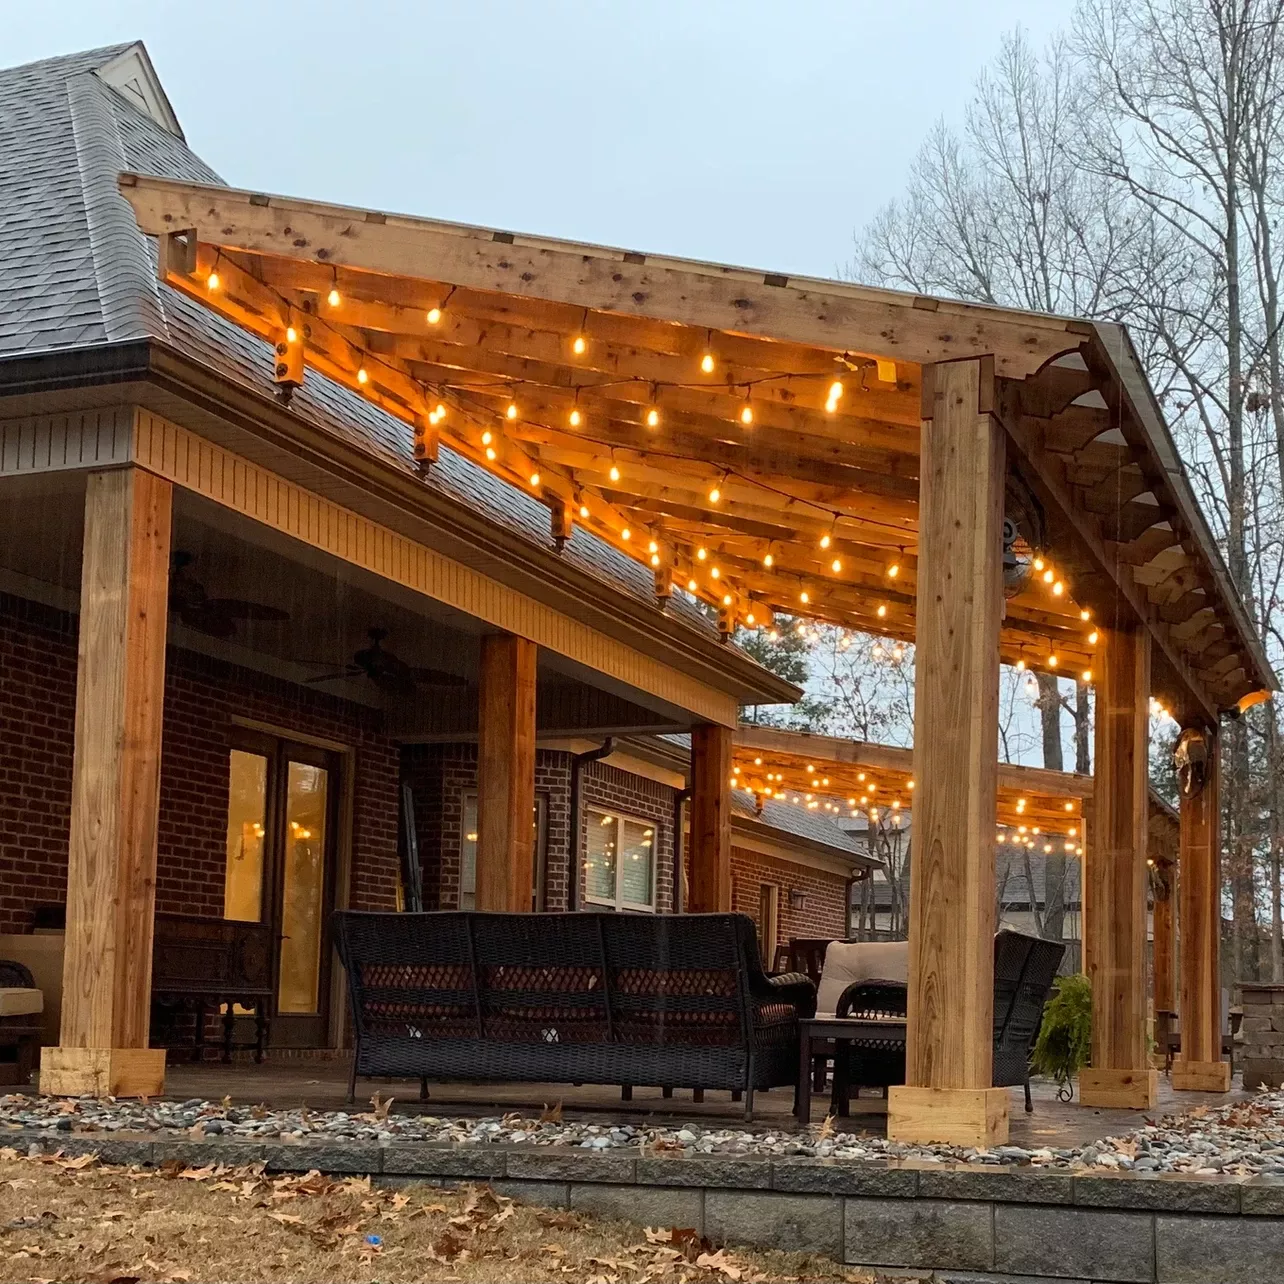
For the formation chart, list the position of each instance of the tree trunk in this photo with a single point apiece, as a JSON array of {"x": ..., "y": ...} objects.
[{"x": 1052, "y": 922}]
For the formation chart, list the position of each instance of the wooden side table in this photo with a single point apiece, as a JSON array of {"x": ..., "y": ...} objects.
[{"x": 818, "y": 1035}]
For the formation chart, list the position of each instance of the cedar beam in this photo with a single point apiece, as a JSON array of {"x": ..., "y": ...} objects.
[
  {"x": 949, "y": 1095},
  {"x": 1200, "y": 1067},
  {"x": 506, "y": 773},
  {"x": 1114, "y": 886},
  {"x": 111, "y": 866},
  {"x": 710, "y": 811}
]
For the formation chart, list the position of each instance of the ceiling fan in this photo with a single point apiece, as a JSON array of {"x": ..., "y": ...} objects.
[
  {"x": 389, "y": 672},
  {"x": 217, "y": 616}
]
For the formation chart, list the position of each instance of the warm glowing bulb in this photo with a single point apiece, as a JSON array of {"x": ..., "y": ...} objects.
[
  {"x": 1085, "y": 615},
  {"x": 1020, "y": 666},
  {"x": 1092, "y": 637},
  {"x": 691, "y": 586},
  {"x": 836, "y": 565},
  {"x": 1087, "y": 675},
  {"x": 534, "y": 479},
  {"x": 1058, "y": 588},
  {"x": 882, "y": 612},
  {"x": 714, "y": 495},
  {"x": 701, "y": 554},
  {"x": 1069, "y": 806},
  {"x": 362, "y": 377},
  {"x": 726, "y": 599},
  {"x": 291, "y": 335},
  {"x": 749, "y": 618},
  {"x": 441, "y": 411},
  {"x": 434, "y": 315},
  {"x": 746, "y": 413},
  {"x": 1052, "y": 662},
  {"x": 511, "y": 412},
  {"x": 1038, "y": 563},
  {"x": 804, "y": 597},
  {"x": 652, "y": 417},
  {"x": 615, "y": 473},
  {"x": 579, "y": 345},
  {"x": 655, "y": 559},
  {"x": 824, "y": 541},
  {"x": 625, "y": 533},
  {"x": 584, "y": 512},
  {"x": 576, "y": 419},
  {"x": 715, "y": 572},
  {"x": 490, "y": 453},
  {"x": 213, "y": 281},
  {"x": 1048, "y": 576},
  {"x": 333, "y": 298},
  {"x": 894, "y": 570},
  {"x": 653, "y": 547},
  {"x": 487, "y": 436},
  {"x": 706, "y": 363},
  {"x": 768, "y": 561}
]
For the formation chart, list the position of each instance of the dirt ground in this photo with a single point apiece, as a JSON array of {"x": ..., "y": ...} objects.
[{"x": 76, "y": 1220}]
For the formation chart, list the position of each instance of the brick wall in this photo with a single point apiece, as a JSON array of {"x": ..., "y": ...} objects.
[
  {"x": 441, "y": 775},
  {"x": 37, "y": 719},
  {"x": 822, "y": 913}
]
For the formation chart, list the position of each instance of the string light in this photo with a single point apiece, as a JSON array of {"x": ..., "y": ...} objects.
[
  {"x": 835, "y": 394},
  {"x": 579, "y": 345},
  {"x": 1020, "y": 666},
  {"x": 490, "y": 453},
  {"x": 1052, "y": 662},
  {"x": 893, "y": 570},
  {"x": 692, "y": 586},
  {"x": 1092, "y": 637},
  {"x": 212, "y": 282},
  {"x": 1058, "y": 588},
  {"x": 715, "y": 573},
  {"x": 715, "y": 493},
  {"x": 882, "y": 612},
  {"x": 614, "y": 473},
  {"x": 1038, "y": 563},
  {"x": 291, "y": 335},
  {"x": 362, "y": 376},
  {"x": 1087, "y": 675},
  {"x": 1085, "y": 615},
  {"x": 511, "y": 412},
  {"x": 575, "y": 418},
  {"x": 836, "y": 565},
  {"x": 652, "y": 418},
  {"x": 534, "y": 479},
  {"x": 333, "y": 298},
  {"x": 584, "y": 511},
  {"x": 626, "y": 534},
  {"x": 1048, "y": 576},
  {"x": 768, "y": 561},
  {"x": 825, "y": 540},
  {"x": 701, "y": 554},
  {"x": 487, "y": 437},
  {"x": 804, "y": 597},
  {"x": 434, "y": 315},
  {"x": 746, "y": 413}
]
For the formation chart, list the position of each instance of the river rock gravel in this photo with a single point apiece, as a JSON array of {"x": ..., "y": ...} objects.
[{"x": 1241, "y": 1138}]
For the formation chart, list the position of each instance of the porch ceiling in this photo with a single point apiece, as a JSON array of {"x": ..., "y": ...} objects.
[{"x": 752, "y": 438}]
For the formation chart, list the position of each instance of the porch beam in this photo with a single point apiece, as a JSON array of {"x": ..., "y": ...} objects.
[
  {"x": 1199, "y": 1067},
  {"x": 1114, "y": 884},
  {"x": 710, "y": 811},
  {"x": 506, "y": 773},
  {"x": 948, "y": 1095},
  {"x": 111, "y": 867}
]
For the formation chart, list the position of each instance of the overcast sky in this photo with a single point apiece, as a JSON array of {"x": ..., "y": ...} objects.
[{"x": 733, "y": 130}]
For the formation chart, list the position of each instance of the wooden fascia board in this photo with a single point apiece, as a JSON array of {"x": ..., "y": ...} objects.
[
  {"x": 752, "y": 834},
  {"x": 1116, "y": 345},
  {"x": 828, "y": 314}
]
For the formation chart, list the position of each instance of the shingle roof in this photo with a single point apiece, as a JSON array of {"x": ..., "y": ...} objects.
[
  {"x": 75, "y": 270},
  {"x": 798, "y": 822}
]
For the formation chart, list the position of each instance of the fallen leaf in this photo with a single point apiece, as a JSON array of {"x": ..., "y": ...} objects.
[
  {"x": 826, "y": 1129},
  {"x": 551, "y": 1114},
  {"x": 381, "y": 1106},
  {"x": 197, "y": 1174},
  {"x": 72, "y": 1165},
  {"x": 286, "y": 1219}
]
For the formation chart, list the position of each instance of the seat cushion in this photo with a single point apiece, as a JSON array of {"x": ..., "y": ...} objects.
[
  {"x": 21, "y": 1002},
  {"x": 847, "y": 962}
]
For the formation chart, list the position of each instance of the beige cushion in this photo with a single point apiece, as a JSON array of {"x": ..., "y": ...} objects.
[
  {"x": 20, "y": 1002},
  {"x": 848, "y": 962}
]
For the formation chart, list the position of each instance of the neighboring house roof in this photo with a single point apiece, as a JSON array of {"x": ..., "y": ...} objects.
[
  {"x": 798, "y": 827},
  {"x": 75, "y": 271}
]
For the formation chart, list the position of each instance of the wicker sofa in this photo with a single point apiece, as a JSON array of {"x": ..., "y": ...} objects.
[{"x": 660, "y": 1000}]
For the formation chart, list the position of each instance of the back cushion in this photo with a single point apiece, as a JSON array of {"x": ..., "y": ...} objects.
[{"x": 847, "y": 963}]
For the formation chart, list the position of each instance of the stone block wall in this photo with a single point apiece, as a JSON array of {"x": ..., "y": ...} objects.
[{"x": 1263, "y": 1031}]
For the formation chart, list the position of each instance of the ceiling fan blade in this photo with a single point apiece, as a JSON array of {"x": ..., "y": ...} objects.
[
  {"x": 239, "y": 609},
  {"x": 438, "y": 678},
  {"x": 350, "y": 672}
]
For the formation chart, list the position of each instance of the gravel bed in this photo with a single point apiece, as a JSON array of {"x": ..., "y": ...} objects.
[{"x": 1244, "y": 1138}]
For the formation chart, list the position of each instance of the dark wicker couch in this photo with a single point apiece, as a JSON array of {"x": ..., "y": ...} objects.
[
  {"x": 665, "y": 1000},
  {"x": 1024, "y": 969}
]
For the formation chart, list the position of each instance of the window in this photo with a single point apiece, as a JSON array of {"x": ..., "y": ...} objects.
[
  {"x": 468, "y": 853},
  {"x": 619, "y": 861}
]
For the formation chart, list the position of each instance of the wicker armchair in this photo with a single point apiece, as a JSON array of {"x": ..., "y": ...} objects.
[
  {"x": 1024, "y": 969},
  {"x": 668, "y": 1001}
]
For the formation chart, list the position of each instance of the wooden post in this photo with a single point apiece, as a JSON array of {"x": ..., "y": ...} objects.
[
  {"x": 115, "y": 794},
  {"x": 506, "y": 774},
  {"x": 1114, "y": 879},
  {"x": 948, "y": 1095},
  {"x": 1199, "y": 1067},
  {"x": 1163, "y": 936},
  {"x": 710, "y": 819}
]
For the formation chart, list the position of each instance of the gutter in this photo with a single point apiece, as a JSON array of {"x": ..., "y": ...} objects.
[{"x": 578, "y": 762}]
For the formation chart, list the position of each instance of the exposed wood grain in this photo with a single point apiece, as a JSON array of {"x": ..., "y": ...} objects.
[
  {"x": 506, "y": 773},
  {"x": 710, "y": 813},
  {"x": 956, "y": 733},
  {"x": 1199, "y": 873},
  {"x": 1114, "y": 879},
  {"x": 111, "y": 872}
]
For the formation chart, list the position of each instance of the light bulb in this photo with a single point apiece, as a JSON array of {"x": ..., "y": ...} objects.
[
  {"x": 1052, "y": 662},
  {"x": 579, "y": 345},
  {"x": 1092, "y": 637},
  {"x": 715, "y": 573},
  {"x": 441, "y": 411},
  {"x": 333, "y": 298},
  {"x": 1038, "y": 563},
  {"x": 768, "y": 561},
  {"x": 511, "y": 412},
  {"x": 1058, "y": 588},
  {"x": 576, "y": 419},
  {"x": 1069, "y": 806},
  {"x": 836, "y": 565},
  {"x": 584, "y": 512},
  {"x": 1048, "y": 577},
  {"x": 894, "y": 570},
  {"x": 746, "y": 413},
  {"x": 1020, "y": 666},
  {"x": 213, "y": 281},
  {"x": 824, "y": 541},
  {"x": 652, "y": 417},
  {"x": 434, "y": 315},
  {"x": 1085, "y": 615},
  {"x": 615, "y": 473},
  {"x": 487, "y": 436},
  {"x": 362, "y": 377},
  {"x": 715, "y": 494},
  {"x": 804, "y": 597},
  {"x": 882, "y": 612},
  {"x": 291, "y": 335},
  {"x": 653, "y": 547},
  {"x": 490, "y": 453},
  {"x": 706, "y": 363},
  {"x": 1087, "y": 675},
  {"x": 726, "y": 600},
  {"x": 625, "y": 533},
  {"x": 701, "y": 554},
  {"x": 691, "y": 586},
  {"x": 655, "y": 559},
  {"x": 534, "y": 479}
]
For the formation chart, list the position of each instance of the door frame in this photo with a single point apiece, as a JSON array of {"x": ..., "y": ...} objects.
[{"x": 341, "y": 808}]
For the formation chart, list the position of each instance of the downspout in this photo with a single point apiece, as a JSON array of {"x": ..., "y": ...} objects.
[
  {"x": 679, "y": 800},
  {"x": 578, "y": 760}
]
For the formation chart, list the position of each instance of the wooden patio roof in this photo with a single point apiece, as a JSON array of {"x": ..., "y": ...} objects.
[{"x": 752, "y": 437}]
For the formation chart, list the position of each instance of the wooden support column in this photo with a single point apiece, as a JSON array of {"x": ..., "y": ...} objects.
[
  {"x": 1114, "y": 877},
  {"x": 115, "y": 794},
  {"x": 948, "y": 1095},
  {"x": 1199, "y": 1067},
  {"x": 506, "y": 774},
  {"x": 1163, "y": 937},
  {"x": 710, "y": 809}
]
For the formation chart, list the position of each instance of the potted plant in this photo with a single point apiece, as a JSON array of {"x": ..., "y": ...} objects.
[{"x": 1064, "y": 1045}]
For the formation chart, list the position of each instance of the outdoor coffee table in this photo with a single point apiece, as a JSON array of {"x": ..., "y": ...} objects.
[{"x": 819, "y": 1035}]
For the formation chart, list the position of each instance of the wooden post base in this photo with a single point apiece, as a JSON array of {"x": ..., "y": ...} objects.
[
  {"x": 102, "y": 1072},
  {"x": 948, "y": 1116},
  {"x": 1201, "y": 1076},
  {"x": 1119, "y": 1089}
]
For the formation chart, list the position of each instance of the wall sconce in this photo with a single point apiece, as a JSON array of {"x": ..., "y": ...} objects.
[{"x": 797, "y": 899}]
